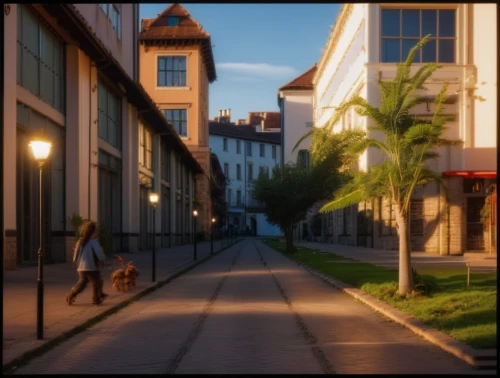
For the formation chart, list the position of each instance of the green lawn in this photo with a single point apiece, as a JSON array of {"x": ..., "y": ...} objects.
[{"x": 444, "y": 301}]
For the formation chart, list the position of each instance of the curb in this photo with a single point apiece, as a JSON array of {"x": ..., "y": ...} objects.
[
  {"x": 438, "y": 338},
  {"x": 31, "y": 354}
]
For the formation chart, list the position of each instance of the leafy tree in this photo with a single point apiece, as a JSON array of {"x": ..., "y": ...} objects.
[{"x": 408, "y": 145}]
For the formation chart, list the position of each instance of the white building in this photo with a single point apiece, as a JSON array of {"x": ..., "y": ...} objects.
[
  {"x": 72, "y": 70},
  {"x": 364, "y": 45},
  {"x": 243, "y": 152}
]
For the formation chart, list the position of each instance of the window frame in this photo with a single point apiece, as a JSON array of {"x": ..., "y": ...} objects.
[
  {"x": 250, "y": 172},
  {"x": 178, "y": 122},
  {"x": 226, "y": 170},
  {"x": 184, "y": 78},
  {"x": 238, "y": 147},
  {"x": 224, "y": 144},
  {"x": 262, "y": 148},
  {"x": 273, "y": 152},
  {"x": 437, "y": 38},
  {"x": 238, "y": 172},
  {"x": 249, "y": 148}
]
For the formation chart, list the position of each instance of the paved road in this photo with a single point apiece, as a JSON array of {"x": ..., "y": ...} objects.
[{"x": 247, "y": 310}]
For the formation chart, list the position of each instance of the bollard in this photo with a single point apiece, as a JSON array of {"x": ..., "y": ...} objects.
[{"x": 468, "y": 274}]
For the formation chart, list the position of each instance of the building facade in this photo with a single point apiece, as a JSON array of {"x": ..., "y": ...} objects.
[
  {"x": 176, "y": 65},
  {"x": 72, "y": 70},
  {"x": 244, "y": 152},
  {"x": 365, "y": 44}
]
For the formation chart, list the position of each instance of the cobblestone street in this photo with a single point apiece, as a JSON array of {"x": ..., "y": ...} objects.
[{"x": 247, "y": 310}]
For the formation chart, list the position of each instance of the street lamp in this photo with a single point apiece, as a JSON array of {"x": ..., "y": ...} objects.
[
  {"x": 195, "y": 214},
  {"x": 153, "y": 199},
  {"x": 40, "y": 145},
  {"x": 212, "y": 238}
]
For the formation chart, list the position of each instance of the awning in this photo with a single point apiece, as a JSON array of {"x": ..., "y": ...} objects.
[{"x": 471, "y": 174}]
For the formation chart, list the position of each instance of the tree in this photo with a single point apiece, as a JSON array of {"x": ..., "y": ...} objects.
[
  {"x": 408, "y": 145},
  {"x": 294, "y": 189}
]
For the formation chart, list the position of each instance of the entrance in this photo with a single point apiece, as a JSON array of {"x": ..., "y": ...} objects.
[{"x": 475, "y": 228}]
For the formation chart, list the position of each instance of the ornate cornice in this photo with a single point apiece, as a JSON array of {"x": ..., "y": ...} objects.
[{"x": 344, "y": 14}]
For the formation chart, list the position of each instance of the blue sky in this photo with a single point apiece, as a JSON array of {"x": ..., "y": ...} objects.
[{"x": 258, "y": 48}]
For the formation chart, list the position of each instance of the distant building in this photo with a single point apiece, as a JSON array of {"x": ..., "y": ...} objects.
[
  {"x": 243, "y": 153},
  {"x": 176, "y": 66}
]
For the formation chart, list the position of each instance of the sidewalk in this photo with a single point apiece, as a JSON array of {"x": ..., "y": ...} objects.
[{"x": 20, "y": 293}]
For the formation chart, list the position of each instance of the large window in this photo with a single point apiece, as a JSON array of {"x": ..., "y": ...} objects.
[
  {"x": 249, "y": 148},
  {"x": 238, "y": 172},
  {"x": 172, "y": 71},
  {"x": 178, "y": 119},
  {"x": 238, "y": 147},
  {"x": 401, "y": 29},
  {"x": 224, "y": 144},
  {"x": 303, "y": 158},
  {"x": 40, "y": 60},
  {"x": 110, "y": 120},
  {"x": 113, "y": 13},
  {"x": 145, "y": 147},
  {"x": 250, "y": 171},
  {"x": 226, "y": 170},
  {"x": 262, "y": 150},
  {"x": 273, "y": 152}
]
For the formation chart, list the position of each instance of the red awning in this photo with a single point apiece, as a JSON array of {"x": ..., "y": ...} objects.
[{"x": 471, "y": 174}]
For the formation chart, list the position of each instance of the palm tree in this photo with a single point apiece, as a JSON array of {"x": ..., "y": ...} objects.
[{"x": 409, "y": 143}]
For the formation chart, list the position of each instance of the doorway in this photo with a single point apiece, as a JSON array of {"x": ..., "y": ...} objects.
[{"x": 475, "y": 227}]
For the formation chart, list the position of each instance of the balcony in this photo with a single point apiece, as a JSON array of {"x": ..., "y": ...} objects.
[{"x": 252, "y": 205}]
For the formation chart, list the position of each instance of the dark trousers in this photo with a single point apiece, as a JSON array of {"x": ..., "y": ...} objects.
[{"x": 92, "y": 276}]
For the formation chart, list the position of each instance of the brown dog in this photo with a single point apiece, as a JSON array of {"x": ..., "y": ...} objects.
[{"x": 124, "y": 279}]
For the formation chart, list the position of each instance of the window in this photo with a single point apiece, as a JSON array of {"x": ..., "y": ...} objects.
[
  {"x": 115, "y": 18},
  {"x": 262, "y": 171},
  {"x": 303, "y": 158},
  {"x": 226, "y": 170},
  {"x": 165, "y": 161},
  {"x": 229, "y": 196},
  {"x": 110, "y": 122},
  {"x": 238, "y": 198},
  {"x": 238, "y": 147},
  {"x": 273, "y": 152},
  {"x": 238, "y": 172},
  {"x": 171, "y": 71},
  {"x": 346, "y": 214},
  {"x": 262, "y": 150},
  {"x": 145, "y": 147},
  {"x": 417, "y": 217},
  {"x": 104, "y": 8},
  {"x": 250, "y": 172},
  {"x": 309, "y": 124},
  {"x": 401, "y": 29},
  {"x": 40, "y": 60},
  {"x": 387, "y": 217},
  {"x": 172, "y": 21},
  {"x": 224, "y": 144},
  {"x": 249, "y": 149},
  {"x": 178, "y": 119}
]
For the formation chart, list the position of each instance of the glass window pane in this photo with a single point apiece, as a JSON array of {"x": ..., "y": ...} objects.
[
  {"x": 161, "y": 64},
  {"x": 169, "y": 62},
  {"x": 161, "y": 79},
  {"x": 446, "y": 51},
  {"x": 169, "y": 79},
  {"x": 391, "y": 23},
  {"x": 175, "y": 82},
  {"x": 411, "y": 23},
  {"x": 183, "y": 79},
  {"x": 447, "y": 23},
  {"x": 391, "y": 50},
  {"x": 182, "y": 64},
  {"x": 429, "y": 51},
  {"x": 408, "y": 44},
  {"x": 429, "y": 22}
]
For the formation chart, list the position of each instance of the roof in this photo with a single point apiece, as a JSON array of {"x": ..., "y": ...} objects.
[
  {"x": 303, "y": 81},
  {"x": 157, "y": 31},
  {"x": 246, "y": 132},
  {"x": 69, "y": 18}
]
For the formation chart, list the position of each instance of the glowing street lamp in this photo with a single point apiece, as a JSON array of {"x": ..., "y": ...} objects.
[
  {"x": 212, "y": 237},
  {"x": 153, "y": 199},
  {"x": 195, "y": 215},
  {"x": 40, "y": 146}
]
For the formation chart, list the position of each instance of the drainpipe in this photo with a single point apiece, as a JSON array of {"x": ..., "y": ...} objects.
[{"x": 2, "y": 96}]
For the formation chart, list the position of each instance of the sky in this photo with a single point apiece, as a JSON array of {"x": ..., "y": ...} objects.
[{"x": 257, "y": 48}]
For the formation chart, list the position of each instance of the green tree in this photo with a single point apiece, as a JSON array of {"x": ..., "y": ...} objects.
[{"x": 409, "y": 142}]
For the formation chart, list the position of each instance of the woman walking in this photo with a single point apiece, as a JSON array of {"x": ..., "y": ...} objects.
[{"x": 88, "y": 254}]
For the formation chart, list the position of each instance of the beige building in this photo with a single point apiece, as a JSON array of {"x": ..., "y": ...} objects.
[
  {"x": 72, "y": 70},
  {"x": 364, "y": 46},
  {"x": 176, "y": 65}
]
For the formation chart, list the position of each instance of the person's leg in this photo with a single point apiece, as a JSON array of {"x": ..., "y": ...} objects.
[
  {"x": 96, "y": 286},
  {"x": 78, "y": 287},
  {"x": 102, "y": 294}
]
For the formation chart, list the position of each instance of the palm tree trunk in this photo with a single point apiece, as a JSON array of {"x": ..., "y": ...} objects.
[{"x": 405, "y": 271}]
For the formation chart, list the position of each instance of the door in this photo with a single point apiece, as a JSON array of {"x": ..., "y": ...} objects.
[{"x": 475, "y": 228}]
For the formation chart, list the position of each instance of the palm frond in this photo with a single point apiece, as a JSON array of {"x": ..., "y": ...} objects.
[
  {"x": 303, "y": 137},
  {"x": 344, "y": 201}
]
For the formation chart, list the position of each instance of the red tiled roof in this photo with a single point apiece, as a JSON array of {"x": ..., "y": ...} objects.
[
  {"x": 304, "y": 81},
  {"x": 156, "y": 30}
]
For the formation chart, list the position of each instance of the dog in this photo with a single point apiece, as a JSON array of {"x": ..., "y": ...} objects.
[{"x": 124, "y": 279}]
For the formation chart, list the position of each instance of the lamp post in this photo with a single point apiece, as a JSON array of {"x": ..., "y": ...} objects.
[
  {"x": 195, "y": 214},
  {"x": 212, "y": 237},
  {"x": 41, "y": 151},
  {"x": 153, "y": 199}
]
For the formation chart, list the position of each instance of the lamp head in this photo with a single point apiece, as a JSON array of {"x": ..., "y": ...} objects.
[
  {"x": 195, "y": 213},
  {"x": 40, "y": 145},
  {"x": 213, "y": 220},
  {"x": 153, "y": 198}
]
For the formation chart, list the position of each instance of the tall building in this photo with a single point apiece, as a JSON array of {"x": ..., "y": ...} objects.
[
  {"x": 71, "y": 70},
  {"x": 364, "y": 46},
  {"x": 244, "y": 151},
  {"x": 176, "y": 65}
]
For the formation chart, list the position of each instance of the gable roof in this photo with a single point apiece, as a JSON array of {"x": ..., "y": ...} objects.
[
  {"x": 157, "y": 31},
  {"x": 303, "y": 81}
]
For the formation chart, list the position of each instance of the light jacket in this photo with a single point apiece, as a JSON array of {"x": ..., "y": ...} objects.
[{"x": 84, "y": 255}]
